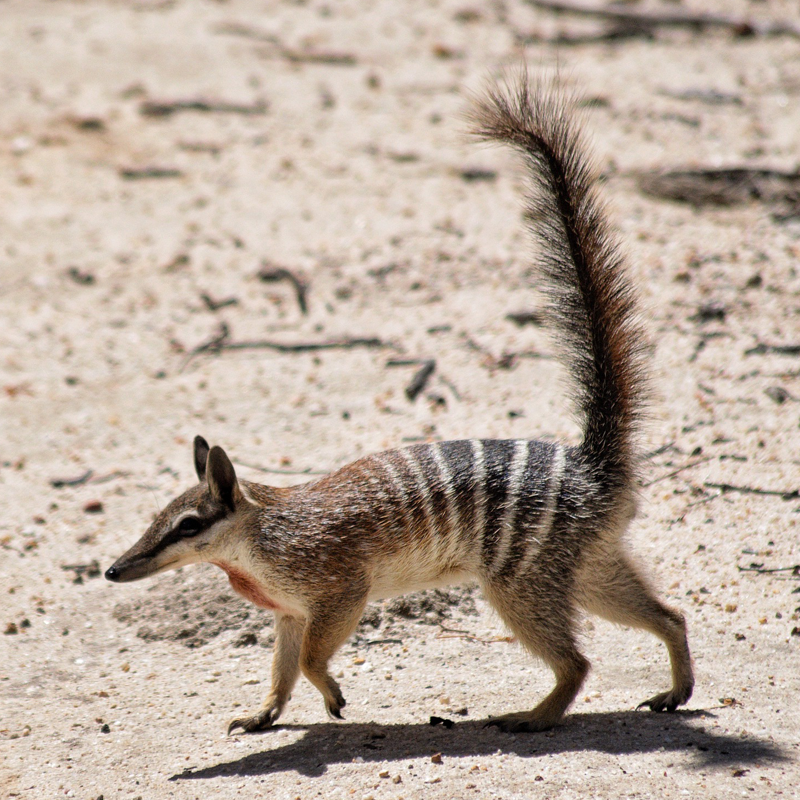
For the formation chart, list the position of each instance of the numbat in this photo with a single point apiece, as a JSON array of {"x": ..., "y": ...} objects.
[{"x": 539, "y": 526}]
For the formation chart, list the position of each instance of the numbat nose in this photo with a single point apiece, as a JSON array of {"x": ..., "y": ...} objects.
[{"x": 112, "y": 574}]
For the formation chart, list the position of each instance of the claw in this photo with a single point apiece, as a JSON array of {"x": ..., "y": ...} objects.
[
  {"x": 336, "y": 713},
  {"x": 236, "y": 723},
  {"x": 257, "y": 722},
  {"x": 666, "y": 701}
]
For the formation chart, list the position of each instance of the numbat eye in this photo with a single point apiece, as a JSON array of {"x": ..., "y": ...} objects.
[{"x": 189, "y": 526}]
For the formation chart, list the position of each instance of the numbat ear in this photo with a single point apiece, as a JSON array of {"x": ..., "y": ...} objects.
[
  {"x": 200, "y": 457},
  {"x": 221, "y": 477}
]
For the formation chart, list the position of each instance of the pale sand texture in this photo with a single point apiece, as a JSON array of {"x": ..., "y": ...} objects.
[{"x": 353, "y": 178}]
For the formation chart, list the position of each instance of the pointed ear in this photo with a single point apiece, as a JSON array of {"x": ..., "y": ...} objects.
[
  {"x": 200, "y": 457},
  {"x": 221, "y": 478}
]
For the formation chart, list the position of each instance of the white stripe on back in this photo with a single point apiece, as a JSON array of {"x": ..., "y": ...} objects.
[
  {"x": 422, "y": 486},
  {"x": 557, "y": 466},
  {"x": 479, "y": 482},
  {"x": 453, "y": 513},
  {"x": 398, "y": 485}
]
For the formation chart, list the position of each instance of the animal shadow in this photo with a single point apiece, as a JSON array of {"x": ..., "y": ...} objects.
[{"x": 614, "y": 733}]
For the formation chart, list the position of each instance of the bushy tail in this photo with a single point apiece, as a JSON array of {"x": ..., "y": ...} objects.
[{"x": 591, "y": 303}]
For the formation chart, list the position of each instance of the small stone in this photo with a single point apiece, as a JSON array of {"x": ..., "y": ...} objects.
[
  {"x": 105, "y": 728},
  {"x": 21, "y": 144},
  {"x": 91, "y": 124},
  {"x": 93, "y": 507},
  {"x": 11, "y": 628},
  {"x": 80, "y": 277},
  {"x": 709, "y": 312},
  {"x": 777, "y": 394},
  {"x": 436, "y": 758},
  {"x": 754, "y": 281},
  {"x": 384, "y": 774}
]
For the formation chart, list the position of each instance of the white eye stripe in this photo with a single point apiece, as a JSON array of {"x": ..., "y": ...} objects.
[{"x": 185, "y": 515}]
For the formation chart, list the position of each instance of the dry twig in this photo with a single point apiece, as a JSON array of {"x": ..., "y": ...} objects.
[
  {"x": 677, "y": 17},
  {"x": 728, "y": 487},
  {"x": 165, "y": 108},
  {"x": 271, "y": 273},
  {"x": 452, "y": 633},
  {"x": 677, "y": 471}
]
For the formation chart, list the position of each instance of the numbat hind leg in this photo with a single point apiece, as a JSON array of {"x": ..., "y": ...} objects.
[
  {"x": 611, "y": 587},
  {"x": 285, "y": 670},
  {"x": 547, "y": 635}
]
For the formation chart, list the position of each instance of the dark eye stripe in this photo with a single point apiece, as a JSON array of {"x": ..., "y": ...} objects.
[{"x": 176, "y": 535}]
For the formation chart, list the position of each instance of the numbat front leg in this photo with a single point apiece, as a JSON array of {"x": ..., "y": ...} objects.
[{"x": 285, "y": 671}]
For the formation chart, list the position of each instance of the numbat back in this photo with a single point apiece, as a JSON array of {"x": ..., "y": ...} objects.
[{"x": 537, "y": 525}]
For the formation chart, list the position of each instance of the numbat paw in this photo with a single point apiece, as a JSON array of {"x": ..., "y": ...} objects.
[
  {"x": 665, "y": 701},
  {"x": 334, "y": 709},
  {"x": 258, "y": 722},
  {"x": 520, "y": 723}
]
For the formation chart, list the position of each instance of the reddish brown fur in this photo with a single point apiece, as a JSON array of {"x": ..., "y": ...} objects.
[{"x": 244, "y": 585}]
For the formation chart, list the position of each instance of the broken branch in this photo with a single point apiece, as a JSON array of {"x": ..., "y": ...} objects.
[
  {"x": 306, "y": 471},
  {"x": 271, "y": 273},
  {"x": 140, "y": 173},
  {"x": 304, "y": 56},
  {"x": 728, "y": 487},
  {"x": 778, "y": 349},
  {"x": 740, "y": 26},
  {"x": 165, "y": 108},
  {"x": 677, "y": 471},
  {"x": 795, "y": 569},
  {"x": 306, "y": 347},
  {"x": 60, "y": 483},
  {"x": 452, "y": 633}
]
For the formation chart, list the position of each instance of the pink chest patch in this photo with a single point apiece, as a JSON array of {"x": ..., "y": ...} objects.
[{"x": 244, "y": 585}]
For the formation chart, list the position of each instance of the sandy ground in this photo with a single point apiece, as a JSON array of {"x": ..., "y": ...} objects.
[{"x": 325, "y": 137}]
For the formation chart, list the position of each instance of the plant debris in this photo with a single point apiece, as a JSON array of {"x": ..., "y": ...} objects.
[
  {"x": 166, "y": 108},
  {"x": 726, "y": 187},
  {"x": 272, "y": 273}
]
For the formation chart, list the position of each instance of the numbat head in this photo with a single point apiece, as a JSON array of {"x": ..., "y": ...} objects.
[{"x": 537, "y": 525}]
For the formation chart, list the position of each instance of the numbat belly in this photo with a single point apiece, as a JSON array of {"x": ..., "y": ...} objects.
[{"x": 537, "y": 525}]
